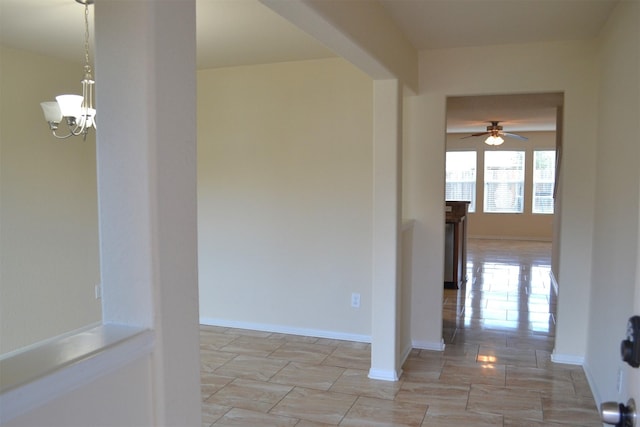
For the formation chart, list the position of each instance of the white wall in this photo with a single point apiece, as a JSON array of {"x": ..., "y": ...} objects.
[
  {"x": 423, "y": 202},
  {"x": 548, "y": 67},
  {"x": 615, "y": 256},
  {"x": 147, "y": 191},
  {"x": 48, "y": 212},
  {"x": 103, "y": 402},
  {"x": 406, "y": 285},
  {"x": 285, "y": 196},
  {"x": 525, "y": 225}
]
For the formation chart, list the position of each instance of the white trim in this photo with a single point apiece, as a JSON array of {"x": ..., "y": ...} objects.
[
  {"x": 383, "y": 375},
  {"x": 567, "y": 359},
  {"x": 405, "y": 354},
  {"x": 554, "y": 282},
  {"x": 40, "y": 344},
  {"x": 524, "y": 238},
  {"x": 120, "y": 346},
  {"x": 428, "y": 345},
  {"x": 281, "y": 329}
]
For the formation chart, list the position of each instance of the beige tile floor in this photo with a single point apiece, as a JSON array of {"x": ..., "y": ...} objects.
[{"x": 495, "y": 370}]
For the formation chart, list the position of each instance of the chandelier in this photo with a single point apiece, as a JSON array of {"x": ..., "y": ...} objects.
[{"x": 76, "y": 111}]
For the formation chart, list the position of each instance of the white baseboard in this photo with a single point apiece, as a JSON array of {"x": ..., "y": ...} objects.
[
  {"x": 405, "y": 354},
  {"x": 567, "y": 359},
  {"x": 523, "y": 238},
  {"x": 281, "y": 329},
  {"x": 429, "y": 345},
  {"x": 384, "y": 375}
]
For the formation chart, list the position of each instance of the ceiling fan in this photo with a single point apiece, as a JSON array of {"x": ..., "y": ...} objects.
[{"x": 495, "y": 134}]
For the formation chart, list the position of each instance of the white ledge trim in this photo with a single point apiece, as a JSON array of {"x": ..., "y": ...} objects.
[{"x": 42, "y": 373}]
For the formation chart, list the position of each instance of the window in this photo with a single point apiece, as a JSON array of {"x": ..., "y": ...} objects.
[
  {"x": 461, "y": 177},
  {"x": 544, "y": 170},
  {"x": 504, "y": 181}
]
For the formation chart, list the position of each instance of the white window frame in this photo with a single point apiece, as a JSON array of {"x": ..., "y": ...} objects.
[
  {"x": 472, "y": 182},
  {"x": 544, "y": 177},
  {"x": 512, "y": 187}
]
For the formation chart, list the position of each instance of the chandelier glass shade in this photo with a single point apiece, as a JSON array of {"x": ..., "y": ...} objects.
[
  {"x": 75, "y": 111},
  {"x": 494, "y": 140}
]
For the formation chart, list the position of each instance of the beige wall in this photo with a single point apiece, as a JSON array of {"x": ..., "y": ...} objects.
[
  {"x": 48, "y": 208},
  {"x": 285, "y": 197},
  {"x": 567, "y": 67},
  {"x": 120, "y": 398},
  {"x": 525, "y": 226},
  {"x": 615, "y": 281},
  {"x": 545, "y": 67},
  {"x": 599, "y": 222}
]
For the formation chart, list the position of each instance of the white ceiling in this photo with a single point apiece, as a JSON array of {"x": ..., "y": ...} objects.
[
  {"x": 245, "y": 32},
  {"x": 516, "y": 113}
]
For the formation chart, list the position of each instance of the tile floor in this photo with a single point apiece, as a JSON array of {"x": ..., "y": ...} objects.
[{"x": 495, "y": 370}]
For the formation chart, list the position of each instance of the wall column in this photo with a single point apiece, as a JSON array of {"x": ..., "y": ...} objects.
[
  {"x": 146, "y": 151},
  {"x": 387, "y": 197}
]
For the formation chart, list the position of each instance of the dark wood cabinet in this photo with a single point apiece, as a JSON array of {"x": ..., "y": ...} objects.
[{"x": 455, "y": 253}]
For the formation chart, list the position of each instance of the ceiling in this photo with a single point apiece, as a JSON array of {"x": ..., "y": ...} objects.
[
  {"x": 245, "y": 32},
  {"x": 516, "y": 113}
]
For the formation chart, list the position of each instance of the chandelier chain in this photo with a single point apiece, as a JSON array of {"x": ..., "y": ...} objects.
[{"x": 86, "y": 33}]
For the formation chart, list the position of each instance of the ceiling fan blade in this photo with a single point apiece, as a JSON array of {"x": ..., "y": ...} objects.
[
  {"x": 476, "y": 134},
  {"x": 513, "y": 135}
]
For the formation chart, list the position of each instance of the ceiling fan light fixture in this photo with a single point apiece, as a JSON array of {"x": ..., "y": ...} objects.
[
  {"x": 494, "y": 140},
  {"x": 495, "y": 134}
]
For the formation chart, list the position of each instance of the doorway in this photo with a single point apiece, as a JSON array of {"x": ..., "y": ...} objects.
[{"x": 510, "y": 185}]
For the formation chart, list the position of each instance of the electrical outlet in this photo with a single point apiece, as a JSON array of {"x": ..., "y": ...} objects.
[
  {"x": 355, "y": 300},
  {"x": 98, "y": 291}
]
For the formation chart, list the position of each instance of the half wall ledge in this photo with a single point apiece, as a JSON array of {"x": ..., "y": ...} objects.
[{"x": 39, "y": 373}]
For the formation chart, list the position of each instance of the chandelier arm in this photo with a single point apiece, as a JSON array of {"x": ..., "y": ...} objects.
[
  {"x": 79, "y": 129},
  {"x": 75, "y": 128},
  {"x": 71, "y": 133},
  {"x": 61, "y": 136}
]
